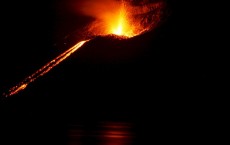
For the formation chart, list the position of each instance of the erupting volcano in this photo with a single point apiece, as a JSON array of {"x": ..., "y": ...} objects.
[
  {"x": 122, "y": 18},
  {"x": 120, "y": 24}
]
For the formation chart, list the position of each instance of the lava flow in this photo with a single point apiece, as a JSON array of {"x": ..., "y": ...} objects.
[
  {"x": 45, "y": 69},
  {"x": 122, "y": 19}
]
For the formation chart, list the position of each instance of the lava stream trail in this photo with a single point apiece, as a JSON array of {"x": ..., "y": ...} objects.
[{"x": 45, "y": 69}]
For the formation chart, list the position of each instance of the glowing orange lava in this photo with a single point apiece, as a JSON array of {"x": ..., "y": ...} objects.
[
  {"x": 16, "y": 89},
  {"x": 120, "y": 17},
  {"x": 120, "y": 25},
  {"x": 117, "y": 22},
  {"x": 45, "y": 69}
]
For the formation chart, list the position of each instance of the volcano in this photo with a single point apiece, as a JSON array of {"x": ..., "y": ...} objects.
[
  {"x": 110, "y": 66},
  {"x": 147, "y": 82}
]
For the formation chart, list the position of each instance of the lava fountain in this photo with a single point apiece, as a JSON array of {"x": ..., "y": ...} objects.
[
  {"x": 119, "y": 18},
  {"x": 121, "y": 26}
]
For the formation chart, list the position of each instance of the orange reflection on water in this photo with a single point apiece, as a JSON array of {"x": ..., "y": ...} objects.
[
  {"x": 106, "y": 133},
  {"x": 116, "y": 134}
]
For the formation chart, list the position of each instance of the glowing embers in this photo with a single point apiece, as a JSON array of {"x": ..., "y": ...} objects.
[
  {"x": 17, "y": 89},
  {"x": 121, "y": 25}
]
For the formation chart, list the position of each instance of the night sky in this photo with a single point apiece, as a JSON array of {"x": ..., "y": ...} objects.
[{"x": 158, "y": 81}]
